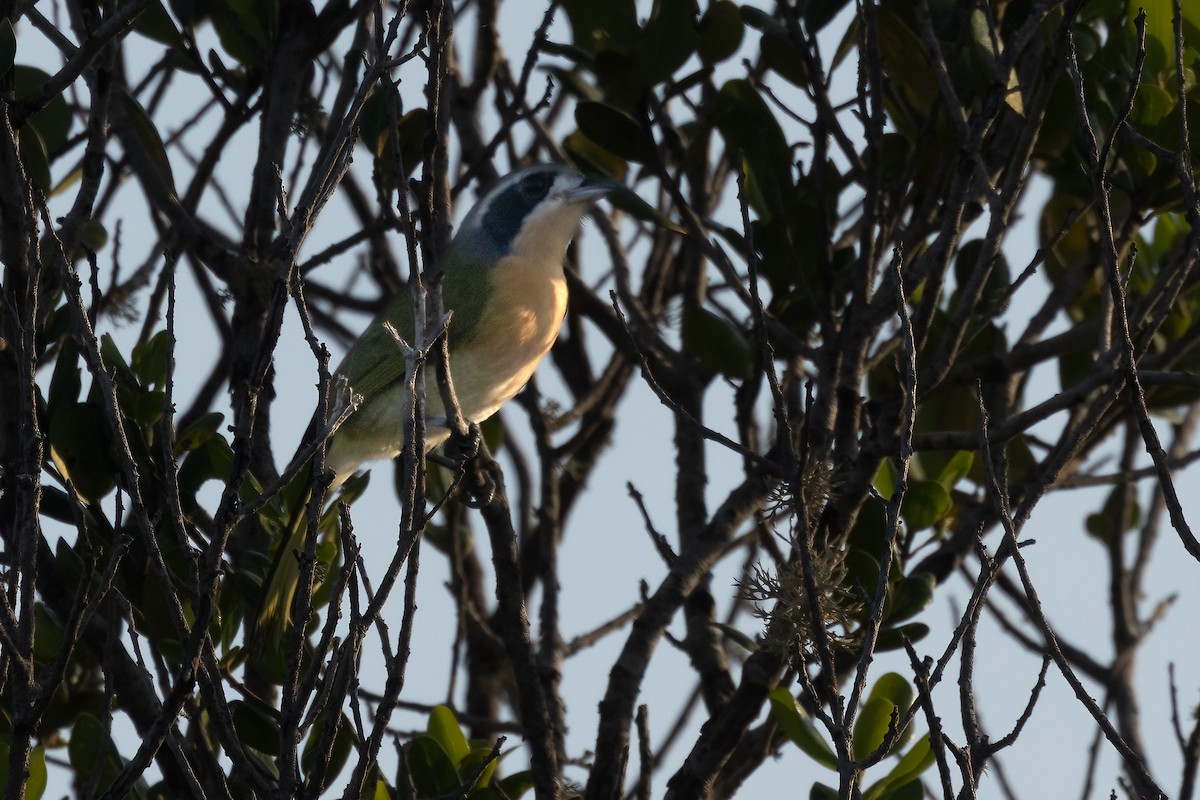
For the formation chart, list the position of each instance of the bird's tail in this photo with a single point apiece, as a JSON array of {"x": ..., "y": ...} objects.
[
  {"x": 269, "y": 631},
  {"x": 268, "y": 635}
]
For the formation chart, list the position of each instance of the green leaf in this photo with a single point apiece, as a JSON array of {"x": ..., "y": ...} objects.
[
  {"x": 431, "y": 770},
  {"x": 147, "y": 136},
  {"x": 92, "y": 754},
  {"x": 913, "y": 83},
  {"x": 738, "y": 637},
  {"x": 668, "y": 39},
  {"x": 410, "y": 133},
  {"x": 891, "y": 694},
  {"x": 35, "y": 784},
  {"x": 246, "y": 28},
  {"x": 869, "y": 534},
  {"x": 92, "y": 236},
  {"x": 751, "y": 130},
  {"x": 379, "y": 112},
  {"x": 516, "y": 784},
  {"x": 918, "y": 759},
  {"x": 615, "y": 131},
  {"x": 150, "y": 360},
  {"x": 52, "y": 121},
  {"x": 998, "y": 274},
  {"x": 468, "y": 766},
  {"x": 885, "y": 480},
  {"x": 602, "y": 26},
  {"x": 620, "y": 78},
  {"x": 190, "y": 12},
  {"x": 1160, "y": 32},
  {"x": 48, "y": 636},
  {"x": 69, "y": 565},
  {"x": 323, "y": 760},
  {"x": 35, "y": 156},
  {"x": 796, "y": 725},
  {"x": 762, "y": 21},
  {"x": 1153, "y": 104},
  {"x": 893, "y": 638},
  {"x": 820, "y": 791},
  {"x": 210, "y": 461},
  {"x": 255, "y": 728},
  {"x": 65, "y": 381},
  {"x": 819, "y": 13},
  {"x": 443, "y": 728},
  {"x": 717, "y": 343},
  {"x": 229, "y": 617},
  {"x": 957, "y": 468},
  {"x": 1020, "y": 459},
  {"x": 782, "y": 56},
  {"x": 383, "y": 129},
  {"x": 81, "y": 447},
  {"x": 913, "y": 790},
  {"x": 949, "y": 408},
  {"x": 862, "y": 573},
  {"x": 199, "y": 432},
  {"x": 720, "y": 32},
  {"x": 593, "y": 158},
  {"x": 377, "y": 790},
  {"x": 1106, "y": 524},
  {"x": 155, "y": 23},
  {"x": 113, "y": 358},
  {"x": 925, "y": 503},
  {"x": 909, "y": 596},
  {"x": 631, "y": 203},
  {"x": 980, "y": 58}
]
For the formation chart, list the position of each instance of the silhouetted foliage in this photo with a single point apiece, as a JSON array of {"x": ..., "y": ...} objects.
[{"x": 811, "y": 268}]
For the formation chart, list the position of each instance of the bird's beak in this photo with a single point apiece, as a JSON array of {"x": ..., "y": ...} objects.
[{"x": 593, "y": 189}]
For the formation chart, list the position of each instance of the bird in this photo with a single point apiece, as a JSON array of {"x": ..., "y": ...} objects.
[{"x": 503, "y": 284}]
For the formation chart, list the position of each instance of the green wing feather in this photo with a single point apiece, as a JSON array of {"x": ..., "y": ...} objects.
[{"x": 374, "y": 362}]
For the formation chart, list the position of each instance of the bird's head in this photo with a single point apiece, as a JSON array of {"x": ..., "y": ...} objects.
[{"x": 531, "y": 213}]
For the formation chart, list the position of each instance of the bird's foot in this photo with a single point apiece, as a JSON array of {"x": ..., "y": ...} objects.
[{"x": 477, "y": 486}]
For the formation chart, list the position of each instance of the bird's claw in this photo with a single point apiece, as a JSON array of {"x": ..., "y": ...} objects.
[
  {"x": 480, "y": 495},
  {"x": 479, "y": 487},
  {"x": 463, "y": 447}
]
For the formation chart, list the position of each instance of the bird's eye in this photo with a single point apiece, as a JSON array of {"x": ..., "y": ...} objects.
[
  {"x": 508, "y": 211},
  {"x": 535, "y": 187}
]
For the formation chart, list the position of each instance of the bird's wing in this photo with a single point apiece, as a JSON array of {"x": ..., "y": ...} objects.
[
  {"x": 465, "y": 291},
  {"x": 375, "y": 361}
]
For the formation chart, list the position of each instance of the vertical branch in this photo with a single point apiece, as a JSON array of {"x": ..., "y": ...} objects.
[
  {"x": 546, "y": 536},
  {"x": 996, "y": 467},
  {"x": 514, "y": 627},
  {"x": 1116, "y": 291},
  {"x": 22, "y": 498},
  {"x": 907, "y": 417}
]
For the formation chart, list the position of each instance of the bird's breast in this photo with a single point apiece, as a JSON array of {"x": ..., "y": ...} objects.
[{"x": 518, "y": 326}]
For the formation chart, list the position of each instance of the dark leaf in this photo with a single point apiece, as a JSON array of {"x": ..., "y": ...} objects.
[
  {"x": 751, "y": 131},
  {"x": 668, "y": 40},
  {"x": 720, "y": 32},
  {"x": 148, "y": 137},
  {"x": 615, "y": 131},
  {"x": 718, "y": 344},
  {"x": 52, "y": 121}
]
